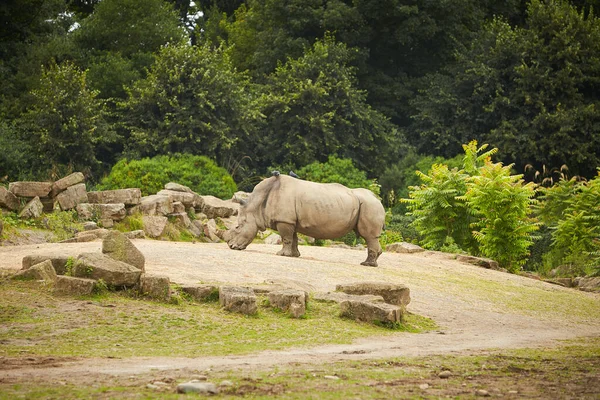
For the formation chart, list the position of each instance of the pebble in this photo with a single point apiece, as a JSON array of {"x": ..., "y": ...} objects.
[
  {"x": 197, "y": 387},
  {"x": 226, "y": 384},
  {"x": 513, "y": 392},
  {"x": 159, "y": 383},
  {"x": 424, "y": 386},
  {"x": 199, "y": 378},
  {"x": 482, "y": 393},
  {"x": 151, "y": 386},
  {"x": 331, "y": 377},
  {"x": 445, "y": 374}
]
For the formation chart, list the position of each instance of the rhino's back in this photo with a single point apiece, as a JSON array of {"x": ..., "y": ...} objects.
[{"x": 319, "y": 210}]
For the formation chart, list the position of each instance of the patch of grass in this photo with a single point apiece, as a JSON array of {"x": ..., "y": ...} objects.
[
  {"x": 130, "y": 223},
  {"x": 62, "y": 224},
  {"x": 116, "y": 325}
]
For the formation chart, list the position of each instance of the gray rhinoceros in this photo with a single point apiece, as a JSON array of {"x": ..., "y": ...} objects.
[{"x": 319, "y": 210}]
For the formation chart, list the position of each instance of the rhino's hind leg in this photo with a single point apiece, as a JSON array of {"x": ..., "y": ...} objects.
[
  {"x": 373, "y": 252},
  {"x": 289, "y": 237}
]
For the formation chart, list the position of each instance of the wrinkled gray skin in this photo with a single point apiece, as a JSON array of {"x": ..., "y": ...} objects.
[{"x": 319, "y": 210}]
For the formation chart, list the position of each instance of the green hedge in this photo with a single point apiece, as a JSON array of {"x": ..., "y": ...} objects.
[{"x": 199, "y": 173}]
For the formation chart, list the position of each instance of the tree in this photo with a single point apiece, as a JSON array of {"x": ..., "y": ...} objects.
[
  {"x": 313, "y": 109},
  {"x": 192, "y": 101},
  {"x": 531, "y": 91},
  {"x": 64, "y": 126}
]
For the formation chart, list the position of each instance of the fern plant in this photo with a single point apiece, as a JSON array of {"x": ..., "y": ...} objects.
[{"x": 501, "y": 202}]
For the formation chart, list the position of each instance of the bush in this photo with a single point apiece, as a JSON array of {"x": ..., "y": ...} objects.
[
  {"x": 199, "y": 173},
  {"x": 338, "y": 170}
]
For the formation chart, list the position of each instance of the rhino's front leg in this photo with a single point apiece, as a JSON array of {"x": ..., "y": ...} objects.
[{"x": 289, "y": 239}]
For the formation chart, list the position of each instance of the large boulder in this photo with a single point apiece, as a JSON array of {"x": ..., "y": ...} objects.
[
  {"x": 30, "y": 189},
  {"x": 115, "y": 212},
  {"x": 59, "y": 262},
  {"x": 188, "y": 199},
  {"x": 33, "y": 209},
  {"x": 217, "y": 208},
  {"x": 43, "y": 271},
  {"x": 118, "y": 246},
  {"x": 101, "y": 266},
  {"x": 72, "y": 286},
  {"x": 238, "y": 299},
  {"x": 292, "y": 301},
  {"x": 154, "y": 205},
  {"x": 155, "y": 286},
  {"x": 69, "y": 180},
  {"x": 129, "y": 197},
  {"x": 371, "y": 312},
  {"x": 8, "y": 199},
  {"x": 154, "y": 225},
  {"x": 403, "y": 247},
  {"x": 71, "y": 196},
  {"x": 397, "y": 294}
]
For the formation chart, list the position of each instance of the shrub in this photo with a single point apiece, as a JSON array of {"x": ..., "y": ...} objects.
[{"x": 199, "y": 173}]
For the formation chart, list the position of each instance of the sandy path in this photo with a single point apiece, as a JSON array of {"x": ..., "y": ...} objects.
[{"x": 466, "y": 323}]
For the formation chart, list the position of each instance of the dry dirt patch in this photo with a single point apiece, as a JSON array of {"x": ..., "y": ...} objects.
[{"x": 476, "y": 309}]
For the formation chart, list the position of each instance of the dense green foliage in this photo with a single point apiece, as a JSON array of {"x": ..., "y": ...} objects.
[
  {"x": 340, "y": 170},
  {"x": 151, "y": 174}
]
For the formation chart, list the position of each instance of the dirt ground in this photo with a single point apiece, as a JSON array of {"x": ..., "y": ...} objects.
[{"x": 467, "y": 324}]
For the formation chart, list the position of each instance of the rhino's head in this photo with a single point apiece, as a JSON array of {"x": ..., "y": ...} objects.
[{"x": 246, "y": 230}]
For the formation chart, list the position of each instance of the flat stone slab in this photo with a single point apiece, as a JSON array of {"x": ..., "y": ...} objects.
[
  {"x": 338, "y": 297},
  {"x": 371, "y": 312},
  {"x": 216, "y": 208},
  {"x": 238, "y": 299},
  {"x": 201, "y": 293},
  {"x": 128, "y": 197},
  {"x": 30, "y": 189},
  {"x": 72, "y": 286},
  {"x": 69, "y": 180},
  {"x": 396, "y": 294},
  {"x": 403, "y": 247},
  {"x": 154, "y": 205},
  {"x": 43, "y": 271},
  {"x": 479, "y": 261},
  {"x": 100, "y": 266},
  {"x": 59, "y": 262}
]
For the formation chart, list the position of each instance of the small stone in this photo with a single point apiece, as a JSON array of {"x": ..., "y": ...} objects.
[
  {"x": 152, "y": 387},
  {"x": 445, "y": 374},
  {"x": 226, "y": 384},
  {"x": 33, "y": 209},
  {"x": 90, "y": 226},
  {"x": 332, "y": 377},
  {"x": 160, "y": 383},
  {"x": 238, "y": 299},
  {"x": 482, "y": 393},
  {"x": 513, "y": 392},
  {"x": 197, "y": 387},
  {"x": 424, "y": 386},
  {"x": 200, "y": 378},
  {"x": 155, "y": 286}
]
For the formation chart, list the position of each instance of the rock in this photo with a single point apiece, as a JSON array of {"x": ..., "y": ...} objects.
[
  {"x": 403, "y": 247},
  {"x": 178, "y": 188},
  {"x": 215, "y": 207},
  {"x": 101, "y": 266},
  {"x": 154, "y": 225},
  {"x": 210, "y": 230},
  {"x": 1, "y": 228},
  {"x": 238, "y": 299},
  {"x": 564, "y": 282},
  {"x": 107, "y": 223},
  {"x": 332, "y": 377},
  {"x": 479, "y": 261},
  {"x": 196, "y": 228},
  {"x": 371, "y": 312},
  {"x": 290, "y": 300},
  {"x": 69, "y": 180},
  {"x": 87, "y": 211},
  {"x": 424, "y": 386},
  {"x": 181, "y": 219},
  {"x": 99, "y": 233},
  {"x": 155, "y": 286},
  {"x": 240, "y": 196},
  {"x": 202, "y": 293},
  {"x": 72, "y": 286},
  {"x": 273, "y": 239},
  {"x": 119, "y": 247},
  {"x": 178, "y": 207},
  {"x": 338, "y": 297},
  {"x": 73, "y": 195},
  {"x": 33, "y": 209},
  {"x": 59, "y": 262},
  {"x": 8, "y": 199},
  {"x": 197, "y": 387},
  {"x": 396, "y": 294},
  {"x": 82, "y": 237},
  {"x": 589, "y": 284},
  {"x": 201, "y": 216},
  {"x": 43, "y": 271},
  {"x": 48, "y": 204},
  {"x": 90, "y": 225},
  {"x": 186, "y": 198},
  {"x": 30, "y": 189},
  {"x": 154, "y": 205},
  {"x": 129, "y": 197},
  {"x": 137, "y": 234},
  {"x": 445, "y": 374},
  {"x": 482, "y": 393},
  {"x": 226, "y": 383},
  {"x": 230, "y": 223}
]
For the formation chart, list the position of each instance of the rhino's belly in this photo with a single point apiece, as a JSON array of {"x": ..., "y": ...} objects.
[{"x": 326, "y": 218}]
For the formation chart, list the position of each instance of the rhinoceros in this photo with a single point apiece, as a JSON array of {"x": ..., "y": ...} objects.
[{"x": 320, "y": 210}]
